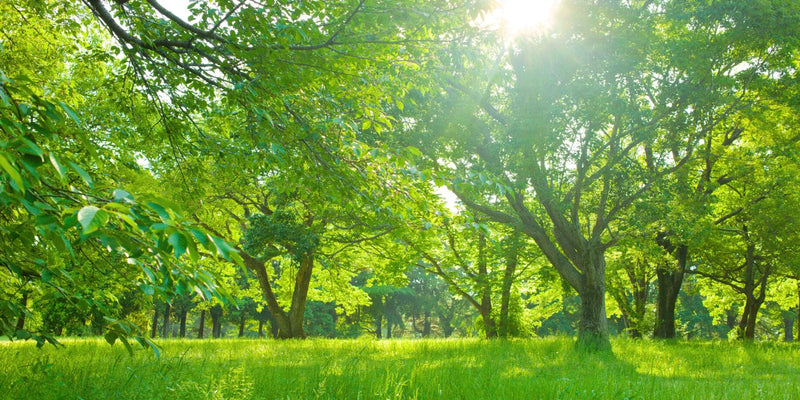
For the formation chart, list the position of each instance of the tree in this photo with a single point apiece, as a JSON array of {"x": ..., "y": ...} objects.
[
  {"x": 477, "y": 265},
  {"x": 751, "y": 249},
  {"x": 579, "y": 123},
  {"x": 312, "y": 97},
  {"x": 61, "y": 215}
]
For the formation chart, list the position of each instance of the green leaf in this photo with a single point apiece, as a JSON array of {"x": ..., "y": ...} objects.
[
  {"x": 110, "y": 337},
  {"x": 122, "y": 196},
  {"x": 158, "y": 226},
  {"x": 127, "y": 345},
  {"x": 91, "y": 219},
  {"x": 4, "y": 97},
  {"x": 72, "y": 114},
  {"x": 83, "y": 174},
  {"x": 179, "y": 243},
  {"x": 161, "y": 211},
  {"x": 30, "y": 147},
  {"x": 224, "y": 249},
  {"x": 12, "y": 172},
  {"x": 125, "y": 218},
  {"x": 57, "y": 165},
  {"x": 200, "y": 236},
  {"x": 46, "y": 219},
  {"x": 192, "y": 249},
  {"x": 148, "y": 289},
  {"x": 413, "y": 150}
]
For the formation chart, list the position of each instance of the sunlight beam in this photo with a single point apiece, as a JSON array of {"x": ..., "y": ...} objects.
[{"x": 515, "y": 18}]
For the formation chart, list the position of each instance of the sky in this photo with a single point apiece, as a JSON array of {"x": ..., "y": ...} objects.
[{"x": 177, "y": 7}]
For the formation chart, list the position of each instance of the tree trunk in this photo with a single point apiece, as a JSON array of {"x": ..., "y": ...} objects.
[
  {"x": 788, "y": 324},
  {"x": 505, "y": 293},
  {"x": 388, "y": 328},
  {"x": 641, "y": 295},
  {"x": 593, "y": 325},
  {"x": 289, "y": 325},
  {"x": 202, "y": 324},
  {"x": 426, "y": 324},
  {"x": 273, "y": 324},
  {"x": 669, "y": 283},
  {"x": 378, "y": 333},
  {"x": 579, "y": 261},
  {"x": 165, "y": 328},
  {"x": 747, "y": 325},
  {"x": 216, "y": 328},
  {"x": 262, "y": 317},
  {"x": 447, "y": 326},
  {"x": 798, "y": 309},
  {"x": 489, "y": 326},
  {"x": 216, "y": 321},
  {"x": 299, "y": 295},
  {"x": 154, "y": 329},
  {"x": 183, "y": 323},
  {"x": 241, "y": 324},
  {"x": 21, "y": 319}
]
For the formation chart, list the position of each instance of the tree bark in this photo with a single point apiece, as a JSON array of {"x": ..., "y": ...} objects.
[
  {"x": 216, "y": 321},
  {"x": 752, "y": 282},
  {"x": 241, "y": 324},
  {"x": 447, "y": 326},
  {"x": 165, "y": 328},
  {"x": 299, "y": 296},
  {"x": 273, "y": 324},
  {"x": 388, "y": 328},
  {"x": 669, "y": 281},
  {"x": 505, "y": 291},
  {"x": 579, "y": 261},
  {"x": 200, "y": 330},
  {"x": 485, "y": 308},
  {"x": 747, "y": 325},
  {"x": 593, "y": 325},
  {"x": 378, "y": 333},
  {"x": 788, "y": 324},
  {"x": 289, "y": 325},
  {"x": 154, "y": 328},
  {"x": 183, "y": 323},
  {"x": 426, "y": 324}
]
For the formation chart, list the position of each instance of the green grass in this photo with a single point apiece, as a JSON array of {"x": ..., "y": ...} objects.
[{"x": 422, "y": 369}]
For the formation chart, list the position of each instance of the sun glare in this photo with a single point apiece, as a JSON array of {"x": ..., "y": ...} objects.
[{"x": 522, "y": 17}]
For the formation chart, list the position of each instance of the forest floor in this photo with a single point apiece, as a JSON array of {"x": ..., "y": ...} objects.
[{"x": 399, "y": 369}]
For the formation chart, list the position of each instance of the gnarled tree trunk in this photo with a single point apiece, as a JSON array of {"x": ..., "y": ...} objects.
[
  {"x": 669, "y": 281},
  {"x": 593, "y": 325},
  {"x": 289, "y": 324}
]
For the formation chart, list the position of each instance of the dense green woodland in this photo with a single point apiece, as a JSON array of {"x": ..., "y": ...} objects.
[{"x": 396, "y": 168}]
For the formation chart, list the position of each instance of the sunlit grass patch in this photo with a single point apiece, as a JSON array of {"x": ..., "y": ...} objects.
[{"x": 424, "y": 369}]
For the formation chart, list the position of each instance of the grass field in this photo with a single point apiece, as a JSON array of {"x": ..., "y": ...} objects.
[{"x": 414, "y": 369}]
